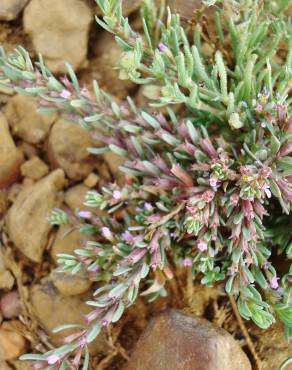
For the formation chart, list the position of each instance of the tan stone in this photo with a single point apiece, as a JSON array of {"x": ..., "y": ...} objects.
[
  {"x": 75, "y": 197},
  {"x": 6, "y": 278},
  {"x": 9, "y": 9},
  {"x": 91, "y": 180},
  {"x": 67, "y": 242},
  {"x": 70, "y": 284},
  {"x": 67, "y": 148},
  {"x": 59, "y": 31},
  {"x": 25, "y": 121},
  {"x": 10, "y": 156},
  {"x": 27, "y": 220},
  {"x": 52, "y": 310},
  {"x": 12, "y": 344},
  {"x": 34, "y": 168}
]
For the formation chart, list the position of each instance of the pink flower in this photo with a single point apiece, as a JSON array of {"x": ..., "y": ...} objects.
[
  {"x": 162, "y": 47},
  {"x": 136, "y": 255},
  {"x": 202, "y": 245},
  {"x": 263, "y": 124},
  {"x": 148, "y": 206},
  {"x": 127, "y": 237},
  {"x": 65, "y": 94},
  {"x": 208, "y": 196},
  {"x": 53, "y": 359},
  {"x": 213, "y": 182},
  {"x": 106, "y": 232},
  {"x": 84, "y": 214},
  {"x": 187, "y": 262},
  {"x": 274, "y": 282},
  {"x": 266, "y": 189},
  {"x": 117, "y": 195}
]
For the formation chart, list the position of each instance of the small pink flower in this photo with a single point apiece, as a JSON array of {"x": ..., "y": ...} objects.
[
  {"x": 106, "y": 232},
  {"x": 266, "y": 189},
  {"x": 148, "y": 206},
  {"x": 263, "y": 124},
  {"x": 65, "y": 94},
  {"x": 53, "y": 359},
  {"x": 187, "y": 262},
  {"x": 84, "y": 214},
  {"x": 202, "y": 245},
  {"x": 274, "y": 282},
  {"x": 208, "y": 196},
  {"x": 127, "y": 236},
  {"x": 213, "y": 182},
  {"x": 162, "y": 47},
  {"x": 117, "y": 195}
]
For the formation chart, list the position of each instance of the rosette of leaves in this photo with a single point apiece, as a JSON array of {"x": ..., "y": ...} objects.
[{"x": 209, "y": 189}]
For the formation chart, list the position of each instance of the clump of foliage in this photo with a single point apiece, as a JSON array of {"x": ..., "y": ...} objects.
[{"x": 209, "y": 189}]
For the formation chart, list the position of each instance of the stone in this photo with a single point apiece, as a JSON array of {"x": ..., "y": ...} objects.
[
  {"x": 185, "y": 8},
  {"x": 114, "y": 161},
  {"x": 91, "y": 180},
  {"x": 6, "y": 278},
  {"x": 75, "y": 197},
  {"x": 59, "y": 31},
  {"x": 67, "y": 149},
  {"x": 10, "y": 157},
  {"x": 129, "y": 6},
  {"x": 9, "y": 9},
  {"x": 102, "y": 68},
  {"x": 3, "y": 201},
  {"x": 4, "y": 366},
  {"x": 45, "y": 300},
  {"x": 10, "y": 305},
  {"x": 20, "y": 365},
  {"x": 12, "y": 344},
  {"x": 67, "y": 242},
  {"x": 27, "y": 219},
  {"x": 70, "y": 284},
  {"x": 34, "y": 168},
  {"x": 25, "y": 121},
  {"x": 175, "y": 341}
]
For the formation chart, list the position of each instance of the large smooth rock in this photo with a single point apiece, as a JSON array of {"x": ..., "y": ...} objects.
[
  {"x": 27, "y": 219},
  {"x": 175, "y": 341},
  {"x": 67, "y": 148},
  {"x": 25, "y": 121},
  {"x": 10, "y": 157},
  {"x": 52, "y": 310},
  {"x": 59, "y": 31},
  {"x": 9, "y": 9}
]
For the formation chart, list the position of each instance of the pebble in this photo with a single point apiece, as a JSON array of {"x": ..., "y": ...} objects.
[
  {"x": 67, "y": 149},
  {"x": 27, "y": 219},
  {"x": 34, "y": 168},
  {"x": 53, "y": 309},
  {"x": 70, "y": 284},
  {"x": 10, "y": 305},
  {"x": 10, "y": 157},
  {"x": 12, "y": 344},
  {"x": 25, "y": 121},
  {"x": 91, "y": 180}
]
